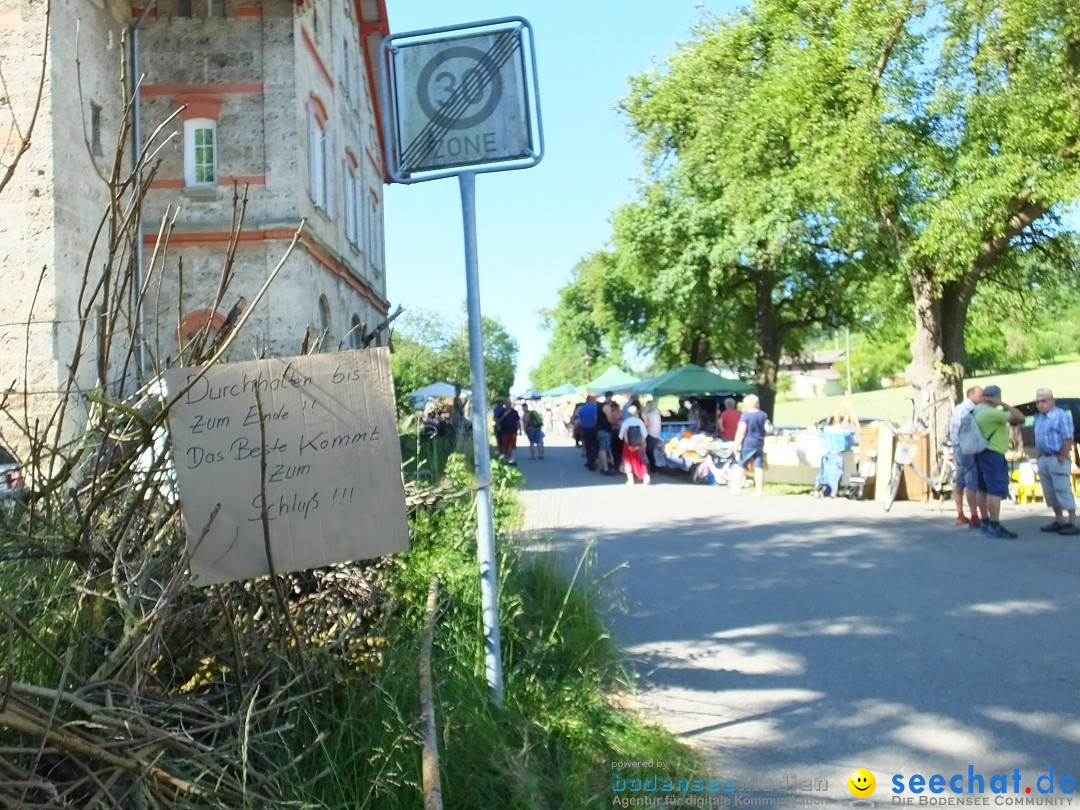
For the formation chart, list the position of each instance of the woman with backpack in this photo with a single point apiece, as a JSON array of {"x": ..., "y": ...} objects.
[
  {"x": 533, "y": 423},
  {"x": 632, "y": 431}
]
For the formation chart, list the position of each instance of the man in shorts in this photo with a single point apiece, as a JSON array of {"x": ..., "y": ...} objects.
[
  {"x": 967, "y": 477},
  {"x": 1054, "y": 444},
  {"x": 993, "y": 418}
]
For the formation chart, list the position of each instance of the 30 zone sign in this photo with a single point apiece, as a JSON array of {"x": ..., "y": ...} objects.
[{"x": 460, "y": 99}]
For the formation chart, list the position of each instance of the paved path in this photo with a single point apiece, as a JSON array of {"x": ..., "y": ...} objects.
[{"x": 788, "y": 635}]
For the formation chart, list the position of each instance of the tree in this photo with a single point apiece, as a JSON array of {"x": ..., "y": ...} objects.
[
  {"x": 951, "y": 129},
  {"x": 584, "y": 336},
  {"x": 428, "y": 348},
  {"x": 734, "y": 253}
]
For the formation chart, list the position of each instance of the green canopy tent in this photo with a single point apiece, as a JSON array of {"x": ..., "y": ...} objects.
[
  {"x": 692, "y": 380},
  {"x": 561, "y": 391},
  {"x": 614, "y": 379}
]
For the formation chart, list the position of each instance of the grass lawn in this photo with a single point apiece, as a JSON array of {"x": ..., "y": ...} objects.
[{"x": 894, "y": 403}]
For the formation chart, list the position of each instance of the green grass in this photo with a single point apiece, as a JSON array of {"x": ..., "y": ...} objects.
[
  {"x": 552, "y": 743},
  {"x": 894, "y": 404}
]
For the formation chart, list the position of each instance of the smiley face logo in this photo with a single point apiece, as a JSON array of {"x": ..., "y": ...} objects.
[{"x": 862, "y": 783}]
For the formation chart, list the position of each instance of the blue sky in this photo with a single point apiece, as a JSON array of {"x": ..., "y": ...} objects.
[{"x": 534, "y": 225}]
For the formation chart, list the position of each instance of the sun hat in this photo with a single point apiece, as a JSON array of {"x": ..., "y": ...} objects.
[{"x": 1044, "y": 393}]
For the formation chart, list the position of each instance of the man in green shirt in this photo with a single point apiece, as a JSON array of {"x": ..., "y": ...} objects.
[{"x": 993, "y": 418}]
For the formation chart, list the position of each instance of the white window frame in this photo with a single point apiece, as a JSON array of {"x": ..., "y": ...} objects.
[
  {"x": 192, "y": 127},
  {"x": 319, "y": 181},
  {"x": 351, "y": 187},
  {"x": 373, "y": 228}
]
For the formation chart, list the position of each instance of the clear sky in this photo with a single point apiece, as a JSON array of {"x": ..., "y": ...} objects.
[{"x": 533, "y": 225}]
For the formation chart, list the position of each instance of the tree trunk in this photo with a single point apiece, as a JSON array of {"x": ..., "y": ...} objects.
[
  {"x": 766, "y": 337},
  {"x": 700, "y": 351},
  {"x": 936, "y": 380}
]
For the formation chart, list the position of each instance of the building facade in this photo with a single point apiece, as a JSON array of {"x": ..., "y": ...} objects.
[{"x": 275, "y": 99}]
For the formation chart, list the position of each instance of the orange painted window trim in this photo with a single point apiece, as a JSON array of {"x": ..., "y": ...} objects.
[
  {"x": 249, "y": 10},
  {"x": 220, "y": 89},
  {"x": 354, "y": 164},
  {"x": 319, "y": 64},
  {"x": 199, "y": 105},
  {"x": 320, "y": 110},
  {"x": 196, "y": 321},
  {"x": 164, "y": 183}
]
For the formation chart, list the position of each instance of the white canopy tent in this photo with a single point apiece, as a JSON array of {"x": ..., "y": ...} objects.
[{"x": 418, "y": 397}]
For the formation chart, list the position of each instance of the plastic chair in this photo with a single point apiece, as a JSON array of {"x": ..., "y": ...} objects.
[{"x": 1027, "y": 483}]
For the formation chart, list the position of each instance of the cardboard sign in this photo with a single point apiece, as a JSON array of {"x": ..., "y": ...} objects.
[{"x": 311, "y": 440}]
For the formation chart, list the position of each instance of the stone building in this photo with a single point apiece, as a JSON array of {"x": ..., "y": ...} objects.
[{"x": 275, "y": 96}]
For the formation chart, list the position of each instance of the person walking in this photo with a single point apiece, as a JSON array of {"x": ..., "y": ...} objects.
[
  {"x": 967, "y": 476},
  {"x": 533, "y": 423},
  {"x": 750, "y": 441},
  {"x": 653, "y": 424},
  {"x": 993, "y": 418},
  {"x": 1054, "y": 433},
  {"x": 507, "y": 426},
  {"x": 586, "y": 416},
  {"x": 632, "y": 432}
]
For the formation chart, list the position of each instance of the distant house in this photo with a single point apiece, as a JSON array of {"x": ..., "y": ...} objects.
[{"x": 813, "y": 375}]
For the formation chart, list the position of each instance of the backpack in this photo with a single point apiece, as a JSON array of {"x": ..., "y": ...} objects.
[
  {"x": 535, "y": 419},
  {"x": 634, "y": 437},
  {"x": 971, "y": 440}
]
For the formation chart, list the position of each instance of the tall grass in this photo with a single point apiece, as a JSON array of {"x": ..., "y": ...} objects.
[{"x": 553, "y": 742}]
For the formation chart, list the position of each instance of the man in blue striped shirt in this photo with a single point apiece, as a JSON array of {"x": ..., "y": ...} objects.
[{"x": 1054, "y": 443}]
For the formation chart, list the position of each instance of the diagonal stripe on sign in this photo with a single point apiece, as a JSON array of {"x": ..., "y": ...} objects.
[{"x": 429, "y": 138}]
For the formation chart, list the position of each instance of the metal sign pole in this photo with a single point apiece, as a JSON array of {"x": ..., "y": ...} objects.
[
  {"x": 462, "y": 100},
  {"x": 485, "y": 524}
]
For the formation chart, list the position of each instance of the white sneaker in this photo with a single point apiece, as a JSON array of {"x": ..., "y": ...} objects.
[
  {"x": 647, "y": 480},
  {"x": 629, "y": 482}
]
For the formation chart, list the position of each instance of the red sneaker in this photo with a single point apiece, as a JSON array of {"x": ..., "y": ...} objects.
[{"x": 974, "y": 522}]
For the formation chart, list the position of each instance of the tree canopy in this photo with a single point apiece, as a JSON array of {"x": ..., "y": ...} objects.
[
  {"x": 427, "y": 348},
  {"x": 807, "y": 160}
]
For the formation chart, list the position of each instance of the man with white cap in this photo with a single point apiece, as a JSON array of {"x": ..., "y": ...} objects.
[
  {"x": 993, "y": 418},
  {"x": 1054, "y": 444}
]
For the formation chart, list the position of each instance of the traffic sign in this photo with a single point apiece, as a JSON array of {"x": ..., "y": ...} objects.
[{"x": 461, "y": 98}]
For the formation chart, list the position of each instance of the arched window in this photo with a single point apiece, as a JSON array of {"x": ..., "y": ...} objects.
[
  {"x": 193, "y": 324},
  {"x": 324, "y": 322},
  {"x": 355, "y": 332}
]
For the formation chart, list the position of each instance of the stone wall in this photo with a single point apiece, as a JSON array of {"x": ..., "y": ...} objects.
[{"x": 55, "y": 201}]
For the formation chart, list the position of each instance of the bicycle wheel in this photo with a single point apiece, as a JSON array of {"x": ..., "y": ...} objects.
[{"x": 894, "y": 486}]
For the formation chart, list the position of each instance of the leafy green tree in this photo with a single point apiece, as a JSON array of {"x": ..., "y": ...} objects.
[
  {"x": 733, "y": 253},
  {"x": 951, "y": 128},
  {"x": 584, "y": 334},
  {"x": 428, "y": 348}
]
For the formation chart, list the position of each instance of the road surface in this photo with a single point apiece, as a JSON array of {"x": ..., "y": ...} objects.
[{"x": 786, "y": 635}]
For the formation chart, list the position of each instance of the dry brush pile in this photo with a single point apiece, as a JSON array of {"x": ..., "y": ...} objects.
[{"x": 122, "y": 686}]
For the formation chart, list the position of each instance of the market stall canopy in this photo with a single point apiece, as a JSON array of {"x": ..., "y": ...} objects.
[
  {"x": 614, "y": 379},
  {"x": 692, "y": 380},
  {"x": 437, "y": 389},
  {"x": 561, "y": 391},
  {"x": 530, "y": 393}
]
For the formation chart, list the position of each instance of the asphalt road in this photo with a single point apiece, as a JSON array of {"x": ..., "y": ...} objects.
[{"x": 787, "y": 635}]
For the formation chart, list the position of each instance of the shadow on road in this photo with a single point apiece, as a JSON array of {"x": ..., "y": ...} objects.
[{"x": 787, "y": 633}]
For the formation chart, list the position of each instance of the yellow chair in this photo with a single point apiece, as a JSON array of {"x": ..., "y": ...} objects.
[{"x": 1027, "y": 483}]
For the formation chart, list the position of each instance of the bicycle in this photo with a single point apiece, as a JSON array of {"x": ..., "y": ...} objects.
[{"x": 904, "y": 455}]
